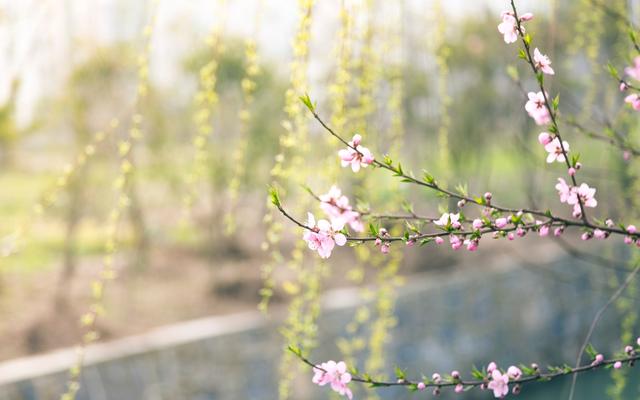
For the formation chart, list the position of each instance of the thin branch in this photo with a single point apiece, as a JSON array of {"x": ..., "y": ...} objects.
[{"x": 597, "y": 318}]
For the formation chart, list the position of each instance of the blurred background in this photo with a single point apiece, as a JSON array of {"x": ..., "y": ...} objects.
[{"x": 137, "y": 142}]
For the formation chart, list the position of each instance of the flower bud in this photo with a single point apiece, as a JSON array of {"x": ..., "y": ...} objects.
[
  {"x": 572, "y": 171},
  {"x": 421, "y": 386},
  {"x": 617, "y": 365}
]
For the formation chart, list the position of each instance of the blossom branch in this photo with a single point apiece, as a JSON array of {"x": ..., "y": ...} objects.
[
  {"x": 431, "y": 183},
  {"x": 552, "y": 110},
  {"x": 489, "y": 378}
]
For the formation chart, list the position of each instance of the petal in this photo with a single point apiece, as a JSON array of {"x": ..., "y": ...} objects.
[{"x": 342, "y": 239}]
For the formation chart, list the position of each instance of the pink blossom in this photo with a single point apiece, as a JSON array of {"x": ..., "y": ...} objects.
[
  {"x": 472, "y": 245},
  {"x": 436, "y": 377},
  {"x": 634, "y": 71},
  {"x": 631, "y": 229},
  {"x": 537, "y": 109},
  {"x": 544, "y": 138},
  {"x": 499, "y": 384},
  {"x": 477, "y": 224},
  {"x": 628, "y": 240},
  {"x": 586, "y": 196},
  {"x": 421, "y": 386},
  {"x": 558, "y": 231},
  {"x": 323, "y": 236},
  {"x": 634, "y": 100},
  {"x": 334, "y": 373},
  {"x": 511, "y": 236},
  {"x": 356, "y": 155},
  {"x": 571, "y": 171},
  {"x": 564, "y": 191},
  {"x": 449, "y": 219},
  {"x": 623, "y": 86},
  {"x": 501, "y": 222},
  {"x": 509, "y": 28},
  {"x": 337, "y": 206},
  {"x": 600, "y": 234},
  {"x": 585, "y": 236},
  {"x": 520, "y": 232},
  {"x": 488, "y": 196},
  {"x": 556, "y": 151},
  {"x": 542, "y": 62},
  {"x": 459, "y": 388},
  {"x": 439, "y": 240},
  {"x": 455, "y": 242},
  {"x": 514, "y": 372},
  {"x": 617, "y": 365},
  {"x": 455, "y": 374},
  {"x": 628, "y": 349}
]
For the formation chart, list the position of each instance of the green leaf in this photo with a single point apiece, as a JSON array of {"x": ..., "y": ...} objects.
[
  {"x": 540, "y": 78},
  {"x": 273, "y": 195},
  {"x": 591, "y": 351},
  {"x": 295, "y": 350},
  {"x": 613, "y": 71},
  {"x": 555, "y": 102},
  {"x": 522, "y": 54},
  {"x": 527, "y": 39},
  {"x": 400, "y": 373},
  {"x": 428, "y": 178},
  {"x": 306, "y": 100}
]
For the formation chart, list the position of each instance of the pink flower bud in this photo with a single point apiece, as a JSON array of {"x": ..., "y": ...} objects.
[
  {"x": 439, "y": 240},
  {"x": 631, "y": 229},
  {"x": 623, "y": 86},
  {"x": 491, "y": 367},
  {"x": 411, "y": 242},
  {"x": 600, "y": 234},
  {"x": 544, "y": 230},
  {"x": 628, "y": 350},
  {"x": 628, "y": 240},
  {"x": 511, "y": 236},
  {"x": 501, "y": 223},
  {"x": 586, "y": 236},
  {"x": 520, "y": 232},
  {"x": 578, "y": 165},
  {"x": 477, "y": 224},
  {"x": 626, "y": 155},
  {"x": 461, "y": 203},
  {"x": 436, "y": 377},
  {"x": 514, "y": 372},
  {"x": 421, "y": 386},
  {"x": 544, "y": 138},
  {"x": 385, "y": 248},
  {"x": 598, "y": 360},
  {"x": 516, "y": 389},
  {"x": 483, "y": 386},
  {"x": 638, "y": 341},
  {"x": 526, "y": 17},
  {"x": 609, "y": 222},
  {"x": 558, "y": 231},
  {"x": 455, "y": 374},
  {"x": 436, "y": 391},
  {"x": 378, "y": 242},
  {"x": 459, "y": 388},
  {"x": 572, "y": 171},
  {"x": 488, "y": 196},
  {"x": 617, "y": 365}
]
